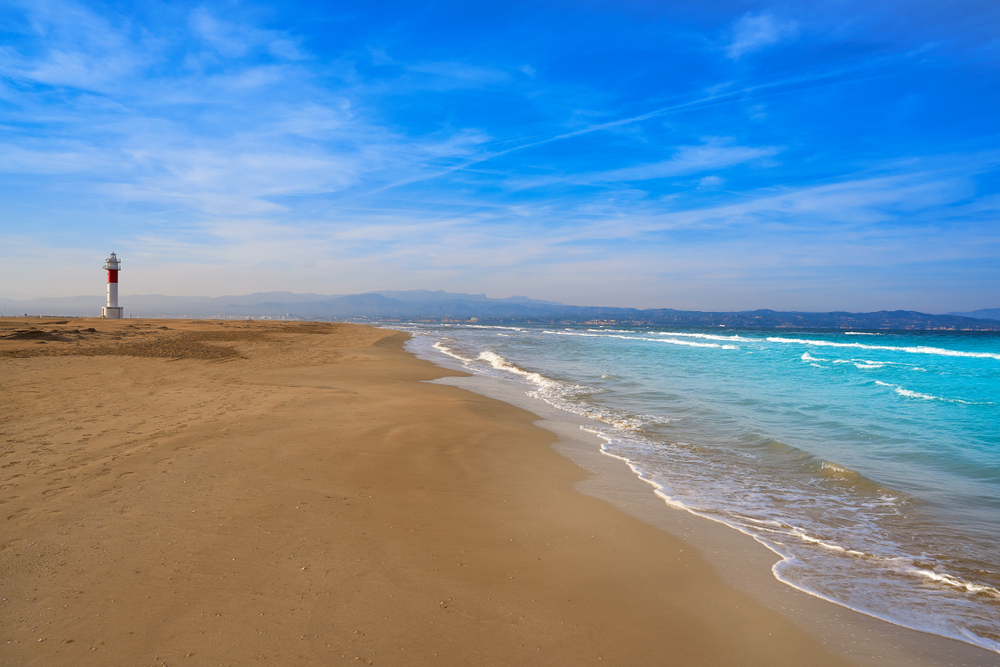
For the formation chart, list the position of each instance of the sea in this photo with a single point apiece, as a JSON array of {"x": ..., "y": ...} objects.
[{"x": 869, "y": 461}]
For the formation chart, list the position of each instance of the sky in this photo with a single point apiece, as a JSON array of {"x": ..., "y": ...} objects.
[{"x": 817, "y": 156}]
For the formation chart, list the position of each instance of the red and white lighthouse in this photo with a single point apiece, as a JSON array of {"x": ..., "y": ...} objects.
[{"x": 112, "y": 311}]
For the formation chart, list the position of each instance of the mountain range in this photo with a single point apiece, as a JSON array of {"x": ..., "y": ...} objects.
[{"x": 440, "y": 305}]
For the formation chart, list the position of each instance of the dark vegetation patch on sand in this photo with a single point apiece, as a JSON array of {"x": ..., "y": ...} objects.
[{"x": 19, "y": 339}]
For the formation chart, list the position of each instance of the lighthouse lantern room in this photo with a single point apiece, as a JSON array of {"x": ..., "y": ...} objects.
[{"x": 112, "y": 311}]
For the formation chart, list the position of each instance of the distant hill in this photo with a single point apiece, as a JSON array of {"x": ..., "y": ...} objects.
[
  {"x": 982, "y": 314},
  {"x": 441, "y": 295},
  {"x": 439, "y": 305}
]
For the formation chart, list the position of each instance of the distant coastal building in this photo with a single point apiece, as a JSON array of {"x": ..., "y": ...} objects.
[{"x": 112, "y": 311}]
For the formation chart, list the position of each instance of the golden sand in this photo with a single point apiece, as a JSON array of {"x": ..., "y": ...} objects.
[{"x": 222, "y": 493}]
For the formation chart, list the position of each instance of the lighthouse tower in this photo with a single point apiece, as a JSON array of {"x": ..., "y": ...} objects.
[{"x": 112, "y": 311}]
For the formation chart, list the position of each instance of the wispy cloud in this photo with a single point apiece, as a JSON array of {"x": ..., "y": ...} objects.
[
  {"x": 439, "y": 155},
  {"x": 460, "y": 73},
  {"x": 256, "y": 145},
  {"x": 78, "y": 49},
  {"x": 834, "y": 224},
  {"x": 233, "y": 40},
  {"x": 753, "y": 32},
  {"x": 714, "y": 153}
]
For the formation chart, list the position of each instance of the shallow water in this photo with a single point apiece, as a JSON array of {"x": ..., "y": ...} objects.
[{"x": 869, "y": 461}]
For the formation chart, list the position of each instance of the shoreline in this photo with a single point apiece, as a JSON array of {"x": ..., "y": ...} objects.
[
  {"x": 226, "y": 492},
  {"x": 739, "y": 559}
]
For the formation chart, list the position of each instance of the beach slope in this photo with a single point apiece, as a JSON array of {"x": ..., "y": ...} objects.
[{"x": 222, "y": 493}]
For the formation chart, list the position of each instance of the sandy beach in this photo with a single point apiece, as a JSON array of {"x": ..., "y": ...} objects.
[{"x": 226, "y": 492}]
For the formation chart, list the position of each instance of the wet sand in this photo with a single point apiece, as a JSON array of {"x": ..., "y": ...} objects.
[{"x": 222, "y": 493}]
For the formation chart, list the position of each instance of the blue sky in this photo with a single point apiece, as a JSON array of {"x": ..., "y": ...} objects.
[{"x": 839, "y": 155}]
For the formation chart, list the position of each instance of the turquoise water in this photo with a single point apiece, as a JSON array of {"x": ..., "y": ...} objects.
[{"x": 869, "y": 461}]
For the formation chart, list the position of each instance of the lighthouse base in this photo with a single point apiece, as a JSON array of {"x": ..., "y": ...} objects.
[{"x": 112, "y": 312}]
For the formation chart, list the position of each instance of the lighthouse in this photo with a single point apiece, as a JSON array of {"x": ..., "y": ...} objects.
[{"x": 112, "y": 311}]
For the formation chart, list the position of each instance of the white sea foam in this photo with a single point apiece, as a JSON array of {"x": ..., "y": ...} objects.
[
  {"x": 690, "y": 343},
  {"x": 706, "y": 336},
  {"x": 495, "y": 361},
  {"x": 955, "y": 582},
  {"x": 502, "y": 364},
  {"x": 570, "y": 332},
  {"x": 673, "y": 341},
  {"x": 679, "y": 334},
  {"x": 566, "y": 395},
  {"x": 489, "y": 326},
  {"x": 912, "y": 350},
  {"x": 441, "y": 347},
  {"x": 860, "y": 364},
  {"x": 878, "y": 584},
  {"x": 902, "y": 391},
  {"x": 616, "y": 331}
]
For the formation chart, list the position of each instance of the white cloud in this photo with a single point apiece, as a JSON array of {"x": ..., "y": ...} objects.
[
  {"x": 714, "y": 153},
  {"x": 461, "y": 71},
  {"x": 753, "y": 32},
  {"x": 285, "y": 48},
  {"x": 829, "y": 209},
  {"x": 250, "y": 77},
  {"x": 291, "y": 159},
  {"x": 53, "y": 158},
  {"x": 233, "y": 40},
  {"x": 79, "y": 50},
  {"x": 268, "y": 132},
  {"x": 225, "y": 37}
]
